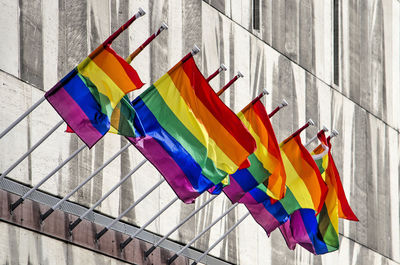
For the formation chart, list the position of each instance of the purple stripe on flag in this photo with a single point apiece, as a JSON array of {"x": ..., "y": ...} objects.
[
  {"x": 167, "y": 166},
  {"x": 260, "y": 214},
  {"x": 300, "y": 232},
  {"x": 287, "y": 234},
  {"x": 233, "y": 191},
  {"x": 74, "y": 116}
]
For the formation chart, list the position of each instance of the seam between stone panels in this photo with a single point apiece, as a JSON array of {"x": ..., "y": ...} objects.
[{"x": 308, "y": 71}]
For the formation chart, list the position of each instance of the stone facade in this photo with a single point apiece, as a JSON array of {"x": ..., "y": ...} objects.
[{"x": 353, "y": 88}]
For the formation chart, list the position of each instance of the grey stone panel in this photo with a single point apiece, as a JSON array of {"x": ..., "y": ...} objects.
[{"x": 31, "y": 45}]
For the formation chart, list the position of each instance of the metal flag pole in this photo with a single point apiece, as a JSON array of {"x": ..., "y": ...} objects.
[
  {"x": 105, "y": 229},
  {"x": 8, "y": 170},
  {"x": 80, "y": 218},
  {"x": 58, "y": 204},
  {"x": 26, "y": 195},
  {"x": 263, "y": 93},
  {"x": 148, "y": 252},
  {"x": 20, "y": 118},
  {"x": 150, "y": 39},
  {"x": 324, "y": 129},
  {"x": 222, "y": 90},
  {"x": 129, "y": 239},
  {"x": 278, "y": 108},
  {"x": 113, "y": 36},
  {"x": 176, "y": 255},
  {"x": 221, "y": 68},
  {"x": 334, "y": 133},
  {"x": 220, "y": 239}
]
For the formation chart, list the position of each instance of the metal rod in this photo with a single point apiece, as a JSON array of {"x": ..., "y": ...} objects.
[
  {"x": 233, "y": 80},
  {"x": 80, "y": 218},
  {"x": 264, "y": 92},
  {"x": 21, "y": 200},
  {"x": 221, "y": 68},
  {"x": 150, "y": 39},
  {"x": 8, "y": 170},
  {"x": 102, "y": 232},
  {"x": 20, "y": 118},
  {"x": 278, "y": 108},
  {"x": 52, "y": 209},
  {"x": 174, "y": 257},
  {"x": 148, "y": 252},
  {"x": 127, "y": 241},
  {"x": 324, "y": 129},
  {"x": 220, "y": 239},
  {"x": 309, "y": 122},
  {"x": 334, "y": 133},
  {"x": 113, "y": 36}
]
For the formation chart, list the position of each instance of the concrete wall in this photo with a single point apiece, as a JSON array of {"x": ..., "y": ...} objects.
[{"x": 291, "y": 55}]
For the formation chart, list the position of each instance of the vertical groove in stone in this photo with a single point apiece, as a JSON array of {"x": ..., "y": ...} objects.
[
  {"x": 306, "y": 35},
  {"x": 191, "y": 28},
  {"x": 312, "y": 105},
  {"x": 31, "y": 42},
  {"x": 73, "y": 48}
]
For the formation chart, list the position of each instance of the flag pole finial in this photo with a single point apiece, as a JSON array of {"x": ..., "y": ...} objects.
[
  {"x": 222, "y": 67},
  {"x": 140, "y": 13},
  {"x": 284, "y": 103},
  {"x": 265, "y": 92},
  {"x": 310, "y": 122},
  {"x": 164, "y": 26},
  {"x": 324, "y": 128},
  {"x": 334, "y": 133},
  {"x": 239, "y": 74},
  {"x": 195, "y": 50}
]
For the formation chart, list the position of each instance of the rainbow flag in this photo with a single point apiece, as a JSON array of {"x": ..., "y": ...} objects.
[
  {"x": 320, "y": 234},
  {"x": 192, "y": 137},
  {"x": 266, "y": 162},
  {"x": 86, "y": 97},
  {"x": 305, "y": 188}
]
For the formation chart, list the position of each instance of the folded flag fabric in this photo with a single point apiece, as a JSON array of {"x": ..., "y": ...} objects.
[
  {"x": 305, "y": 188},
  {"x": 192, "y": 137},
  {"x": 266, "y": 162},
  {"x": 86, "y": 97},
  {"x": 320, "y": 234}
]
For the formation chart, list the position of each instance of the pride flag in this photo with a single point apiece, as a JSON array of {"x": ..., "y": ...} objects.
[
  {"x": 192, "y": 137},
  {"x": 266, "y": 162},
  {"x": 86, "y": 97},
  {"x": 320, "y": 234},
  {"x": 305, "y": 188}
]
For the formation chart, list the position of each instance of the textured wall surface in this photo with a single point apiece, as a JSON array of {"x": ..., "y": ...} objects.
[{"x": 291, "y": 55}]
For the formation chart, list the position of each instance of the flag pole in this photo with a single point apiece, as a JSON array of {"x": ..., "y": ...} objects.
[
  {"x": 263, "y": 93},
  {"x": 28, "y": 193},
  {"x": 150, "y": 39},
  {"x": 221, "y": 68},
  {"x": 233, "y": 80},
  {"x": 80, "y": 218},
  {"x": 220, "y": 239},
  {"x": 193, "y": 52},
  {"x": 20, "y": 118},
  {"x": 148, "y": 252},
  {"x": 129, "y": 239},
  {"x": 305, "y": 126},
  {"x": 58, "y": 204},
  {"x": 334, "y": 133},
  {"x": 278, "y": 108},
  {"x": 324, "y": 129},
  {"x": 105, "y": 229},
  {"x": 176, "y": 255},
  {"x": 113, "y": 36},
  {"x": 16, "y": 163}
]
